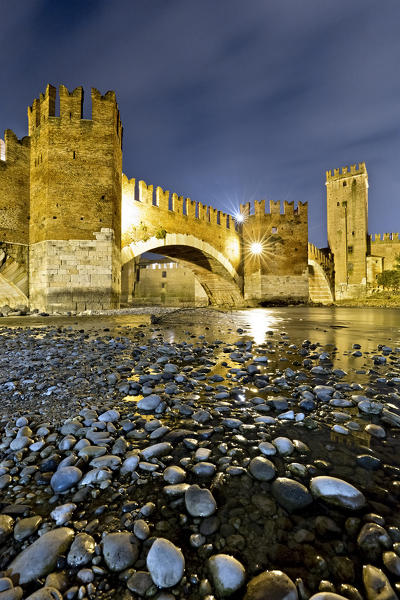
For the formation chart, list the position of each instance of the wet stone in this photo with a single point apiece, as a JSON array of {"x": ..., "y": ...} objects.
[
  {"x": 65, "y": 478},
  {"x": 199, "y": 502},
  {"x": 227, "y": 574},
  {"x": 119, "y": 552},
  {"x": 262, "y": 469},
  {"x": 337, "y": 492},
  {"x": 291, "y": 494},
  {"x": 40, "y": 558},
  {"x": 165, "y": 563},
  {"x": 274, "y": 585}
]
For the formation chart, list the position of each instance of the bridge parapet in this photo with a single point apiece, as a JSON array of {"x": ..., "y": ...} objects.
[
  {"x": 325, "y": 259},
  {"x": 146, "y": 214}
]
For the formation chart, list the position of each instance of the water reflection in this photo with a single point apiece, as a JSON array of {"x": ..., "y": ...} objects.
[{"x": 259, "y": 321}]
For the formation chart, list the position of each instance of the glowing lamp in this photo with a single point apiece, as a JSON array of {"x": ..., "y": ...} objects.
[
  {"x": 239, "y": 218},
  {"x": 256, "y": 248}
]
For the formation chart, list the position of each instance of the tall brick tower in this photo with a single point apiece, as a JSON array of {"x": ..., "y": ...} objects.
[
  {"x": 347, "y": 214},
  {"x": 75, "y": 202},
  {"x": 278, "y": 270}
]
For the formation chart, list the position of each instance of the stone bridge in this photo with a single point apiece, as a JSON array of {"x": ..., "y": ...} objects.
[
  {"x": 215, "y": 246},
  {"x": 161, "y": 223},
  {"x": 320, "y": 275}
]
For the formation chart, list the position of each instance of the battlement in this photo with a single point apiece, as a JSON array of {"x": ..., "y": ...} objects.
[
  {"x": 104, "y": 108},
  {"x": 346, "y": 172},
  {"x": 323, "y": 258},
  {"x": 289, "y": 209},
  {"x": 385, "y": 237},
  {"x": 12, "y": 148},
  {"x": 139, "y": 191}
]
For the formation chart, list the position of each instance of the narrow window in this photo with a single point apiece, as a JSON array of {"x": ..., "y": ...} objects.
[
  {"x": 164, "y": 273},
  {"x": 350, "y": 249},
  {"x": 344, "y": 183},
  {"x": 337, "y": 203},
  {"x": 163, "y": 285},
  {"x": 2, "y": 150},
  {"x": 73, "y": 155}
]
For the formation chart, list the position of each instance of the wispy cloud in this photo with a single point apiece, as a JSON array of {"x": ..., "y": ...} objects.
[{"x": 229, "y": 100}]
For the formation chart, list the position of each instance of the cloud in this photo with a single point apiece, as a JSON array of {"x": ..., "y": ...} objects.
[{"x": 229, "y": 100}]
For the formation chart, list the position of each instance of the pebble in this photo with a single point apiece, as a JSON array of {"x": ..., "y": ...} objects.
[
  {"x": 40, "y": 558},
  {"x": 6, "y": 527},
  {"x": 65, "y": 478},
  {"x": 271, "y": 585},
  {"x": 199, "y": 502},
  {"x": 165, "y": 563},
  {"x": 150, "y": 402},
  {"x": 119, "y": 551},
  {"x": 337, "y": 492},
  {"x": 291, "y": 494},
  {"x": 26, "y": 527},
  {"x": 377, "y": 585},
  {"x": 81, "y": 551},
  {"x": 227, "y": 573},
  {"x": 262, "y": 469}
]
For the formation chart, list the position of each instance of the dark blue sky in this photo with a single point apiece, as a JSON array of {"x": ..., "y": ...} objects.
[{"x": 226, "y": 100}]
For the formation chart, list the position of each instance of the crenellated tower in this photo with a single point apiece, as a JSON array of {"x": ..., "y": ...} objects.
[
  {"x": 75, "y": 201},
  {"x": 275, "y": 252},
  {"x": 347, "y": 216}
]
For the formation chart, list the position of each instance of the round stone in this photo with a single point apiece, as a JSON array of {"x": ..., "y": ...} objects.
[
  {"x": 63, "y": 513},
  {"x": 273, "y": 585},
  {"x": 174, "y": 474},
  {"x": 149, "y": 402},
  {"x": 376, "y": 584},
  {"x": 165, "y": 563},
  {"x": 199, "y": 502},
  {"x": 227, "y": 573},
  {"x": 291, "y": 494},
  {"x": 40, "y": 558},
  {"x": 262, "y": 469},
  {"x": 81, "y": 551},
  {"x": 337, "y": 492},
  {"x": 284, "y": 446},
  {"x": 267, "y": 448},
  {"x": 156, "y": 450},
  {"x": 119, "y": 552},
  {"x": 65, "y": 478},
  {"x": 392, "y": 562},
  {"x": 26, "y": 527},
  {"x": 6, "y": 527},
  {"x": 109, "y": 416}
]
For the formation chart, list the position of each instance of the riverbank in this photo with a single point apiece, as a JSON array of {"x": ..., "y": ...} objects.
[{"x": 225, "y": 445}]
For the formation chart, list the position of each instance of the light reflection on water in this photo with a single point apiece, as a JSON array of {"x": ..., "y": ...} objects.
[{"x": 261, "y": 320}]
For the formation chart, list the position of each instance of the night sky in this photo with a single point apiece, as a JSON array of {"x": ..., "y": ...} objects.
[{"x": 226, "y": 101}]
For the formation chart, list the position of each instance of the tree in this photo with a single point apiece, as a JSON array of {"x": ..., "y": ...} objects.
[{"x": 390, "y": 280}]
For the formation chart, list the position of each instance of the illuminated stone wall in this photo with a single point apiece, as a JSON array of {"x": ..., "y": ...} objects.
[
  {"x": 347, "y": 215},
  {"x": 280, "y": 271},
  {"x": 75, "y": 201}
]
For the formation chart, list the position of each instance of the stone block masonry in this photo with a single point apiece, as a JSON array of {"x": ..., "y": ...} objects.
[
  {"x": 280, "y": 271},
  {"x": 75, "y": 274}
]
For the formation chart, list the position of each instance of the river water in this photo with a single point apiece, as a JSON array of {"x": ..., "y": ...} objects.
[{"x": 251, "y": 523}]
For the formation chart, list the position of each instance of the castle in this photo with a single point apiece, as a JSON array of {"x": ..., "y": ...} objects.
[
  {"x": 358, "y": 256},
  {"x": 72, "y": 226}
]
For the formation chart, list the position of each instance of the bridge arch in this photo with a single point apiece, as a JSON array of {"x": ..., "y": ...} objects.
[
  {"x": 13, "y": 281},
  {"x": 319, "y": 285},
  {"x": 218, "y": 277}
]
